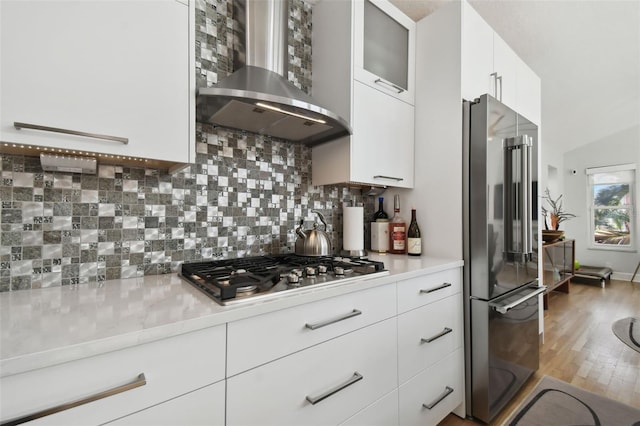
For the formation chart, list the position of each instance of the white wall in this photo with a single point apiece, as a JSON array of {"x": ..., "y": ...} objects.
[{"x": 619, "y": 148}]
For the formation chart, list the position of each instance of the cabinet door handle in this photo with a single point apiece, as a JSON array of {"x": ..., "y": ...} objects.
[
  {"x": 446, "y": 331},
  {"x": 388, "y": 177},
  {"x": 317, "y": 325},
  {"x": 494, "y": 75},
  {"x": 431, "y": 290},
  {"x": 499, "y": 78},
  {"x": 355, "y": 378},
  {"x": 443, "y": 395},
  {"x": 380, "y": 81},
  {"x": 139, "y": 381},
  {"x": 19, "y": 126}
]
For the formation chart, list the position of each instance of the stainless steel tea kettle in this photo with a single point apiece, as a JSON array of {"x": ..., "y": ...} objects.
[{"x": 313, "y": 242}]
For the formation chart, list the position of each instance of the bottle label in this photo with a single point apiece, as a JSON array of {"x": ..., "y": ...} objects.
[
  {"x": 414, "y": 245},
  {"x": 397, "y": 235}
]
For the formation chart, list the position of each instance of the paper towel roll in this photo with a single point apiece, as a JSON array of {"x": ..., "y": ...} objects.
[{"x": 353, "y": 228}]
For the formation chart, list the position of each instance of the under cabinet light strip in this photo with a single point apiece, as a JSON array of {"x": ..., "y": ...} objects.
[{"x": 304, "y": 117}]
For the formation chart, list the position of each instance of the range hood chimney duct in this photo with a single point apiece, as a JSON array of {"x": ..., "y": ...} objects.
[{"x": 257, "y": 97}]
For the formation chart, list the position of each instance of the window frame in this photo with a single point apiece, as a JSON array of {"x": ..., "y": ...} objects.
[{"x": 592, "y": 207}]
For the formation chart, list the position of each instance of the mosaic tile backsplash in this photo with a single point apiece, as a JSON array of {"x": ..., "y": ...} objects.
[{"x": 244, "y": 195}]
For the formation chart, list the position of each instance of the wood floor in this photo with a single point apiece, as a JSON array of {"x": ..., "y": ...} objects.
[{"x": 580, "y": 347}]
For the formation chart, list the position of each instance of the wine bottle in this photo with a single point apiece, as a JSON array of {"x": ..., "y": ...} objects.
[
  {"x": 397, "y": 230},
  {"x": 380, "y": 215},
  {"x": 414, "y": 241}
]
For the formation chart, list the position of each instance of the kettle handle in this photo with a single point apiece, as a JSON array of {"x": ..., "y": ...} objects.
[
  {"x": 321, "y": 217},
  {"x": 300, "y": 230}
]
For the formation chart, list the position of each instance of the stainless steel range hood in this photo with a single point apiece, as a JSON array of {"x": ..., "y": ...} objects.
[{"x": 257, "y": 98}]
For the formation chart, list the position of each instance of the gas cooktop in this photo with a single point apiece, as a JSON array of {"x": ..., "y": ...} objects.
[{"x": 251, "y": 279}]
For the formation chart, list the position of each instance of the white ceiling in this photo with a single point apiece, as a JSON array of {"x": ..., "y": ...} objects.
[{"x": 587, "y": 54}]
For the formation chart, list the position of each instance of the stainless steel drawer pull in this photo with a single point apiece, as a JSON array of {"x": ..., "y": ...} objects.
[
  {"x": 19, "y": 126},
  {"x": 388, "y": 177},
  {"x": 443, "y": 395},
  {"x": 139, "y": 381},
  {"x": 431, "y": 290},
  {"x": 389, "y": 84},
  {"x": 446, "y": 331},
  {"x": 355, "y": 378},
  {"x": 317, "y": 325}
]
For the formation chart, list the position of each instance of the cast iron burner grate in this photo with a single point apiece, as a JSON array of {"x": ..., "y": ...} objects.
[{"x": 230, "y": 278}]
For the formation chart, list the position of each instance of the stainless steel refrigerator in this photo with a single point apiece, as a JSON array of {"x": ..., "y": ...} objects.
[{"x": 501, "y": 285}]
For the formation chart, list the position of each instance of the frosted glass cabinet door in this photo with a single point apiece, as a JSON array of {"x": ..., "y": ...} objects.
[
  {"x": 108, "y": 67},
  {"x": 384, "y": 48}
]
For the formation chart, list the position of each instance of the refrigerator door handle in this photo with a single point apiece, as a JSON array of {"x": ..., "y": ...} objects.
[
  {"x": 503, "y": 309},
  {"x": 520, "y": 207}
]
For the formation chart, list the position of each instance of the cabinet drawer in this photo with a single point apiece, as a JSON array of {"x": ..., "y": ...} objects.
[
  {"x": 257, "y": 340},
  {"x": 428, "y": 334},
  {"x": 201, "y": 407},
  {"x": 279, "y": 393},
  {"x": 383, "y": 412},
  {"x": 171, "y": 367},
  {"x": 419, "y": 291},
  {"x": 440, "y": 387}
]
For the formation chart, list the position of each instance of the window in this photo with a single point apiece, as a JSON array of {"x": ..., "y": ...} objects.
[{"x": 611, "y": 200}]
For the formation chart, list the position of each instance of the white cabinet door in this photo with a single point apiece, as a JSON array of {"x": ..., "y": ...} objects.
[
  {"x": 108, "y": 67},
  {"x": 528, "y": 93},
  {"x": 505, "y": 63},
  {"x": 428, "y": 334},
  {"x": 322, "y": 385},
  {"x": 431, "y": 395},
  {"x": 201, "y": 407},
  {"x": 171, "y": 367},
  {"x": 384, "y": 48},
  {"x": 477, "y": 54},
  {"x": 383, "y": 137},
  {"x": 383, "y": 412}
]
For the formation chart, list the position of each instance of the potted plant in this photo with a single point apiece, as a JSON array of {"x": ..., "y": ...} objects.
[{"x": 555, "y": 212}]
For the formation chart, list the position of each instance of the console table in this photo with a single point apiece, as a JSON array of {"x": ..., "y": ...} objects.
[{"x": 558, "y": 267}]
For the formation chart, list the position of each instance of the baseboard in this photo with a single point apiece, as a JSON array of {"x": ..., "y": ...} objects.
[{"x": 625, "y": 276}]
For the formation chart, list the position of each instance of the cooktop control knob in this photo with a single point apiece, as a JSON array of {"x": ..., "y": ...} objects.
[
  {"x": 293, "y": 280},
  {"x": 322, "y": 269},
  {"x": 339, "y": 271},
  {"x": 311, "y": 271}
]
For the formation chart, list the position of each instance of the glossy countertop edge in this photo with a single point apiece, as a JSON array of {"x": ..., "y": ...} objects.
[{"x": 139, "y": 324}]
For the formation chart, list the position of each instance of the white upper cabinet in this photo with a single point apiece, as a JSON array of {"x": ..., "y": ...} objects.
[
  {"x": 364, "y": 70},
  {"x": 477, "y": 55},
  {"x": 106, "y": 68},
  {"x": 489, "y": 65},
  {"x": 384, "y": 48}
]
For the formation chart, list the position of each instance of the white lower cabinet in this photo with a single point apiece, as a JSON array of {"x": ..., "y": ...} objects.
[
  {"x": 383, "y": 412},
  {"x": 430, "y": 396},
  {"x": 428, "y": 334},
  {"x": 201, "y": 407},
  {"x": 117, "y": 383},
  {"x": 321, "y": 385}
]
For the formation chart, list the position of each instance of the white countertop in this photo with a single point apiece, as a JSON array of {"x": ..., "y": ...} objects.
[{"x": 44, "y": 327}]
